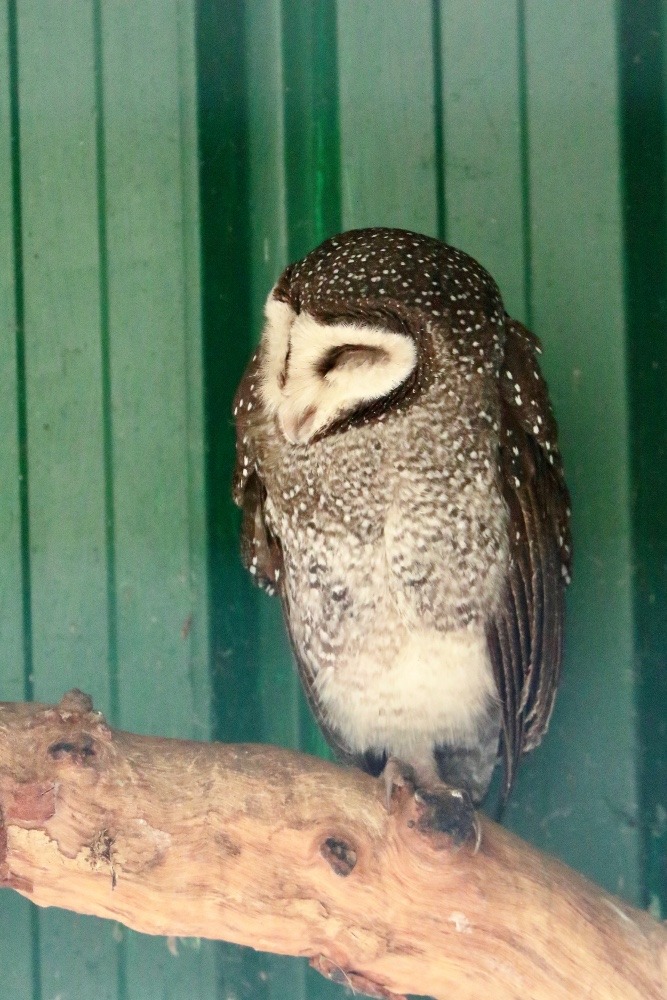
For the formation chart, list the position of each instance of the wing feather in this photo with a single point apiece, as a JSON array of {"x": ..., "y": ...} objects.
[
  {"x": 261, "y": 551},
  {"x": 525, "y": 634}
]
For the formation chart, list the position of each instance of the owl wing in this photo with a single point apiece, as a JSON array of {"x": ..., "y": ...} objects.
[
  {"x": 261, "y": 551},
  {"x": 526, "y": 634}
]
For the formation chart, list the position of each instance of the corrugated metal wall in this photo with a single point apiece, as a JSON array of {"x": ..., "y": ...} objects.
[{"x": 532, "y": 134}]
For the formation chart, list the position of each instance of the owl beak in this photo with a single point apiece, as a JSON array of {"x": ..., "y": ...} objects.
[{"x": 298, "y": 427}]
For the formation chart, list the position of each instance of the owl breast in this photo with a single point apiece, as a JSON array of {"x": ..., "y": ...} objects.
[{"x": 394, "y": 552}]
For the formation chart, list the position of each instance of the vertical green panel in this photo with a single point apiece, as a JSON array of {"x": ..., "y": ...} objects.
[
  {"x": 227, "y": 341},
  {"x": 642, "y": 38},
  {"x": 154, "y": 351},
  {"x": 154, "y": 360},
  {"x": 268, "y": 231},
  {"x": 192, "y": 371},
  {"x": 279, "y": 689},
  {"x": 85, "y": 226},
  {"x": 311, "y": 139},
  {"x": 158, "y": 968},
  {"x": 277, "y": 107},
  {"x": 16, "y": 919},
  {"x": 64, "y": 425},
  {"x": 578, "y": 794},
  {"x": 387, "y": 95},
  {"x": 64, "y": 428},
  {"x": 11, "y": 597},
  {"x": 482, "y": 140}
]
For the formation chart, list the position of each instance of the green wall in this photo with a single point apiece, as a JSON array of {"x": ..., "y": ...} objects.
[
  {"x": 160, "y": 162},
  {"x": 102, "y": 517}
]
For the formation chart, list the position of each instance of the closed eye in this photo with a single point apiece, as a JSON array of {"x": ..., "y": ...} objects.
[
  {"x": 282, "y": 378},
  {"x": 349, "y": 356}
]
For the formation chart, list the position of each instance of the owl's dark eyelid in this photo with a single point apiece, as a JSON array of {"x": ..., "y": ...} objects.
[
  {"x": 282, "y": 378},
  {"x": 350, "y": 355}
]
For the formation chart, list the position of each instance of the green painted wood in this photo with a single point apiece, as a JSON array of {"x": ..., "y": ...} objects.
[
  {"x": 109, "y": 262},
  {"x": 227, "y": 344},
  {"x": 12, "y": 677},
  {"x": 62, "y": 350},
  {"x": 65, "y": 468},
  {"x": 16, "y": 952},
  {"x": 155, "y": 365},
  {"x": 578, "y": 795},
  {"x": 16, "y": 919},
  {"x": 642, "y": 39},
  {"x": 152, "y": 298},
  {"x": 482, "y": 134},
  {"x": 310, "y": 114},
  {"x": 387, "y": 89}
]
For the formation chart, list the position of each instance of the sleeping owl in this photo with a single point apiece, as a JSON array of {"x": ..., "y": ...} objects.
[{"x": 402, "y": 491}]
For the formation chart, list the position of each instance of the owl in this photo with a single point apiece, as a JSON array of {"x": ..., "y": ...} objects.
[{"x": 402, "y": 491}]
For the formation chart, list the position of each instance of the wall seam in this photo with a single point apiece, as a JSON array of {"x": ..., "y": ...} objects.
[{"x": 524, "y": 156}]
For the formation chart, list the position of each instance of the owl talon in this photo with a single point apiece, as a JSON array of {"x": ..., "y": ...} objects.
[
  {"x": 397, "y": 774},
  {"x": 449, "y": 811},
  {"x": 441, "y": 809}
]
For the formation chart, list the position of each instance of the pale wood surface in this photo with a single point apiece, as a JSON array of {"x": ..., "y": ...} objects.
[{"x": 294, "y": 855}]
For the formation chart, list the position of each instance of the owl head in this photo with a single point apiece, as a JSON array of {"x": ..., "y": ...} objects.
[
  {"x": 349, "y": 328},
  {"x": 317, "y": 373}
]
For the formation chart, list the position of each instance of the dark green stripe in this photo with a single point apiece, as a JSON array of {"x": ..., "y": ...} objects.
[
  {"x": 22, "y": 425},
  {"x": 312, "y": 137},
  {"x": 643, "y": 129},
  {"x": 526, "y": 220},
  {"x": 438, "y": 122},
  {"x": 227, "y": 334},
  {"x": 19, "y": 313},
  {"x": 107, "y": 429},
  {"x": 227, "y": 339},
  {"x": 312, "y": 167}
]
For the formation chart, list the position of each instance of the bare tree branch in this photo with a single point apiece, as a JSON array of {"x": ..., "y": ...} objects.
[{"x": 291, "y": 854}]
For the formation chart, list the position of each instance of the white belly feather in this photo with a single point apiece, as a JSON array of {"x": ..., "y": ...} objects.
[{"x": 433, "y": 690}]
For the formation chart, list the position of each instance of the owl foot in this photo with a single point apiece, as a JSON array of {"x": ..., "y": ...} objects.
[
  {"x": 441, "y": 808},
  {"x": 449, "y": 811}
]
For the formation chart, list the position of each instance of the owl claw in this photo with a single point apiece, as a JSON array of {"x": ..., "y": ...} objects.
[
  {"x": 397, "y": 774},
  {"x": 450, "y": 811},
  {"x": 442, "y": 809}
]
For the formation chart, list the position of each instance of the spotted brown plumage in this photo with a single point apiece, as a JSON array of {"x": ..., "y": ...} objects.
[{"x": 402, "y": 490}]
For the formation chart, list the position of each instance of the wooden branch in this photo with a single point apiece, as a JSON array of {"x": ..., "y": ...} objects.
[{"x": 291, "y": 854}]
